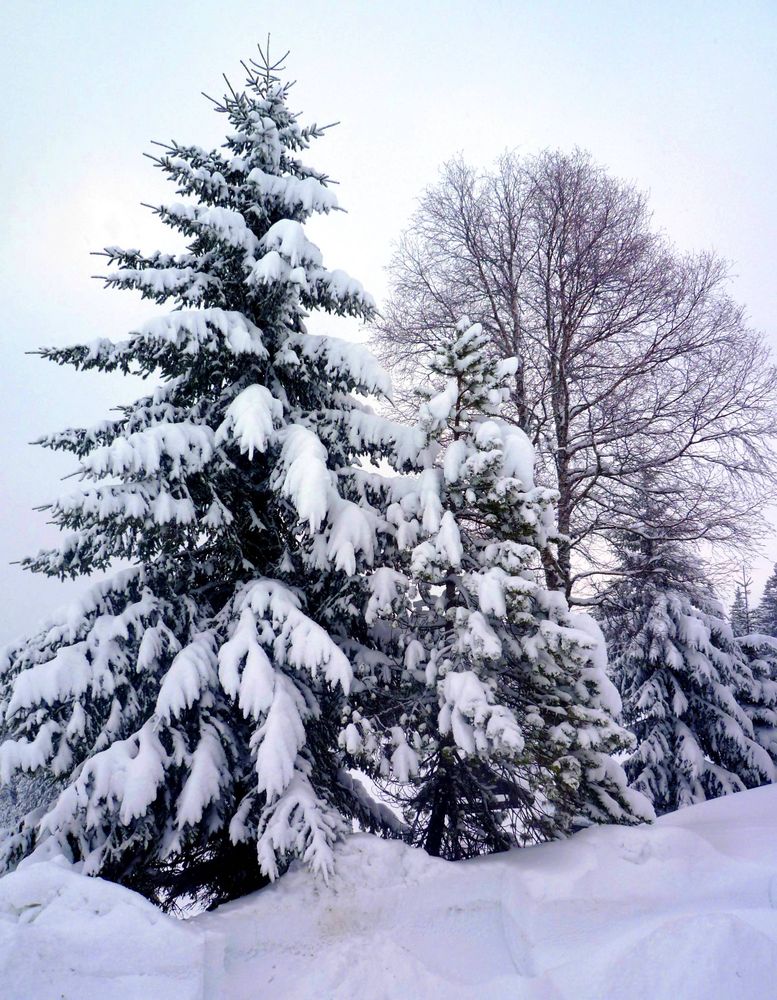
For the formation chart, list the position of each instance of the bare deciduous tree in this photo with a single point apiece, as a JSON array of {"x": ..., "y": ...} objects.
[{"x": 637, "y": 372}]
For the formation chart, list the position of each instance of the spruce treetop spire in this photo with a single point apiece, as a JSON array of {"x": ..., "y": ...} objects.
[
  {"x": 475, "y": 384},
  {"x": 265, "y": 66}
]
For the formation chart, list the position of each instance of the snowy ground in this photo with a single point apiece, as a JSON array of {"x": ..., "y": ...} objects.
[{"x": 684, "y": 909}]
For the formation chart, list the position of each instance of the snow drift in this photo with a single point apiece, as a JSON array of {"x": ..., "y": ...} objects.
[{"x": 686, "y": 908}]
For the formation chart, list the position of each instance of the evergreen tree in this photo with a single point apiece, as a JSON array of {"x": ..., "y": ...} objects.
[
  {"x": 683, "y": 678},
  {"x": 766, "y": 615},
  {"x": 758, "y": 696},
  {"x": 739, "y": 615},
  {"x": 504, "y": 716},
  {"x": 190, "y": 706}
]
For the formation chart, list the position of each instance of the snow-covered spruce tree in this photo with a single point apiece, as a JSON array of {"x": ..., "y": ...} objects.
[
  {"x": 738, "y": 614},
  {"x": 504, "y": 719},
  {"x": 758, "y": 696},
  {"x": 683, "y": 677},
  {"x": 766, "y": 614},
  {"x": 190, "y": 705}
]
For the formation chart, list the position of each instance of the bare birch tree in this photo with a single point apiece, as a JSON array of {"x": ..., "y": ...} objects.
[{"x": 638, "y": 372}]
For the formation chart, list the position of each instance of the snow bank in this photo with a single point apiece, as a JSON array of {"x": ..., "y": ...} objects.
[
  {"x": 684, "y": 908},
  {"x": 64, "y": 936}
]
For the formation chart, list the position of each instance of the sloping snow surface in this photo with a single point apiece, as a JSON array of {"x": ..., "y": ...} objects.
[{"x": 683, "y": 909}]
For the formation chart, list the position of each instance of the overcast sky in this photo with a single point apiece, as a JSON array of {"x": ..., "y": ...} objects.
[{"x": 680, "y": 97}]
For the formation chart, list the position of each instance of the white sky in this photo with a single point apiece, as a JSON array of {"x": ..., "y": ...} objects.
[{"x": 679, "y": 97}]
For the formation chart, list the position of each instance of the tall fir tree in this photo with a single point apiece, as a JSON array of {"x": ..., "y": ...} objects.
[
  {"x": 689, "y": 692},
  {"x": 189, "y": 708},
  {"x": 766, "y": 614},
  {"x": 504, "y": 717}
]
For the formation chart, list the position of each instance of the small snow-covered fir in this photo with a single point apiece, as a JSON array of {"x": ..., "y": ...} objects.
[
  {"x": 508, "y": 719},
  {"x": 766, "y": 613}
]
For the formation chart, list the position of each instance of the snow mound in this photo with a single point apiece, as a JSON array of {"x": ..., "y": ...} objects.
[
  {"x": 64, "y": 936},
  {"x": 686, "y": 907}
]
